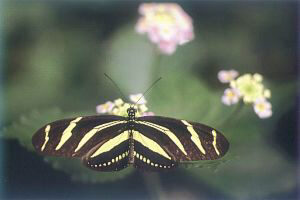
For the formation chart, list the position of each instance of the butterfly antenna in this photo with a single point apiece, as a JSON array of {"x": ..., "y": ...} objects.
[
  {"x": 115, "y": 84},
  {"x": 151, "y": 86}
]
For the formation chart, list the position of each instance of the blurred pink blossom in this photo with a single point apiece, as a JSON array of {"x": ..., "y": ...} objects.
[
  {"x": 231, "y": 96},
  {"x": 166, "y": 24},
  {"x": 225, "y": 76},
  {"x": 262, "y": 108},
  {"x": 148, "y": 114},
  {"x": 105, "y": 108}
]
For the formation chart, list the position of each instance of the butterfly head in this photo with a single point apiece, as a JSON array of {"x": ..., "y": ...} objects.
[{"x": 131, "y": 112}]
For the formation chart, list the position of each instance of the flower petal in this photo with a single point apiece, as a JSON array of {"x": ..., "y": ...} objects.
[
  {"x": 231, "y": 96},
  {"x": 119, "y": 102},
  {"x": 166, "y": 25},
  {"x": 105, "y": 108},
  {"x": 137, "y": 98},
  {"x": 225, "y": 76},
  {"x": 262, "y": 108}
]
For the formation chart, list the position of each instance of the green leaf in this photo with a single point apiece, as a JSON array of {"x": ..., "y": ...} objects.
[
  {"x": 27, "y": 125},
  {"x": 209, "y": 164},
  {"x": 79, "y": 172}
]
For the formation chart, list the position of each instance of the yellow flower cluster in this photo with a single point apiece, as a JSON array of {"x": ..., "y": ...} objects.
[
  {"x": 249, "y": 88},
  {"x": 119, "y": 107}
]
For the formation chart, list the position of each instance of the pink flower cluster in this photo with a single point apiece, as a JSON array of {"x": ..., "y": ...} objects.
[{"x": 166, "y": 24}]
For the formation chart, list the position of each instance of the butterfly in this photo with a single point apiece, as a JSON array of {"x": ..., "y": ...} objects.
[{"x": 111, "y": 142}]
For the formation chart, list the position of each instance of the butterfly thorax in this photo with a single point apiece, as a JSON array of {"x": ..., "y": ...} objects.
[{"x": 130, "y": 125}]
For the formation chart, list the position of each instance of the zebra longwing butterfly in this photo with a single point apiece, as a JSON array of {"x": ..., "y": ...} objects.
[{"x": 111, "y": 143}]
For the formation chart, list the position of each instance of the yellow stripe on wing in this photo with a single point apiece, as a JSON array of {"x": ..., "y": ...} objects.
[
  {"x": 167, "y": 132},
  {"x": 214, "y": 133},
  {"x": 110, "y": 144},
  {"x": 47, "y": 129},
  {"x": 150, "y": 144},
  {"x": 96, "y": 129},
  {"x": 67, "y": 133},
  {"x": 195, "y": 138}
]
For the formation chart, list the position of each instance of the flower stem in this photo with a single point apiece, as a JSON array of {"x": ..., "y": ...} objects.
[
  {"x": 156, "y": 65},
  {"x": 234, "y": 115},
  {"x": 153, "y": 184}
]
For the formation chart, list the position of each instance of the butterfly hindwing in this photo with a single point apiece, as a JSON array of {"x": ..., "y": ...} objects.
[
  {"x": 109, "y": 156},
  {"x": 149, "y": 160}
]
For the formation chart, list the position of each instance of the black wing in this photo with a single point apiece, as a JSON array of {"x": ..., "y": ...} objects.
[
  {"x": 182, "y": 140},
  {"x": 87, "y": 138}
]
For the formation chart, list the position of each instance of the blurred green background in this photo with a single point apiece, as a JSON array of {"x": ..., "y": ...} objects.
[{"x": 54, "y": 55}]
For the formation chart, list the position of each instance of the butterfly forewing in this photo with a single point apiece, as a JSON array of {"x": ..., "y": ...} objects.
[
  {"x": 183, "y": 140},
  {"x": 77, "y": 136}
]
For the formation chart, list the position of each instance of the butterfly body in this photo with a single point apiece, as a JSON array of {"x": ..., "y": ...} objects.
[
  {"x": 130, "y": 127},
  {"x": 111, "y": 143}
]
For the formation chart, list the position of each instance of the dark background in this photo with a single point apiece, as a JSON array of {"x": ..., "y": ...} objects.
[{"x": 54, "y": 55}]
